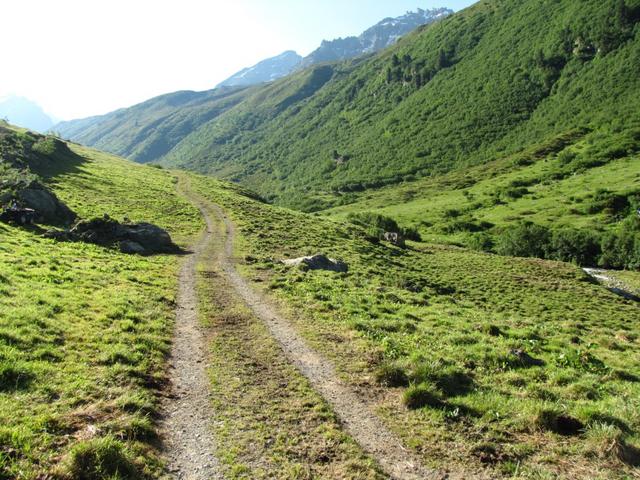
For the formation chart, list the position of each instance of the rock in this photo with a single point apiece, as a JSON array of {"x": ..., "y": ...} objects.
[
  {"x": 140, "y": 238},
  {"x": 128, "y": 246},
  {"x": 18, "y": 216},
  {"x": 318, "y": 262},
  {"x": 48, "y": 207},
  {"x": 394, "y": 238},
  {"x": 101, "y": 231},
  {"x": 151, "y": 237}
]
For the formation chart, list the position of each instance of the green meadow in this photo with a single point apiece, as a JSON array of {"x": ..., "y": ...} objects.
[
  {"x": 522, "y": 366},
  {"x": 85, "y": 330}
]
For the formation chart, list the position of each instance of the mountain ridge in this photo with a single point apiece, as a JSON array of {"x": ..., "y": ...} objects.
[
  {"x": 264, "y": 71},
  {"x": 378, "y": 37},
  {"x": 487, "y": 82},
  {"x": 459, "y": 92}
]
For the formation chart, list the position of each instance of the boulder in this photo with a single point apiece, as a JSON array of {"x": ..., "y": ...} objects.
[
  {"x": 318, "y": 262},
  {"x": 151, "y": 237},
  {"x": 127, "y": 246},
  {"x": 18, "y": 216},
  {"x": 101, "y": 231},
  {"x": 140, "y": 238},
  {"x": 394, "y": 238},
  {"x": 49, "y": 209}
]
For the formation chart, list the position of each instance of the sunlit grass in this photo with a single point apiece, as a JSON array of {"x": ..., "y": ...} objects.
[{"x": 524, "y": 359}]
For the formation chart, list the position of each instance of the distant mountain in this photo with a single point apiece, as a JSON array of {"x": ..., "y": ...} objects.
[
  {"x": 151, "y": 129},
  {"x": 24, "y": 113},
  {"x": 380, "y": 36},
  {"x": 265, "y": 71}
]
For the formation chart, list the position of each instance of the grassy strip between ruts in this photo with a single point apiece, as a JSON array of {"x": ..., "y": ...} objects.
[
  {"x": 523, "y": 367},
  {"x": 269, "y": 421},
  {"x": 84, "y": 330}
]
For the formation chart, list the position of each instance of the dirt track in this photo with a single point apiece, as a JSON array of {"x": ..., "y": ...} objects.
[
  {"x": 358, "y": 420},
  {"x": 188, "y": 437},
  {"x": 187, "y": 428}
]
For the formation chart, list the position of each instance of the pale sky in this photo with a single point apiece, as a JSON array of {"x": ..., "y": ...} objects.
[{"x": 86, "y": 57}]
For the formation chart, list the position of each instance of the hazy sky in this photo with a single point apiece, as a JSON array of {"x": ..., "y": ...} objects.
[{"x": 85, "y": 57}]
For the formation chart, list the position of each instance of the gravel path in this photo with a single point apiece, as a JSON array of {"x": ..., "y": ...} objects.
[
  {"x": 189, "y": 441},
  {"x": 356, "y": 417}
]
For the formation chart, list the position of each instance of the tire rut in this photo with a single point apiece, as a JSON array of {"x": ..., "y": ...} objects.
[
  {"x": 355, "y": 415},
  {"x": 188, "y": 438}
]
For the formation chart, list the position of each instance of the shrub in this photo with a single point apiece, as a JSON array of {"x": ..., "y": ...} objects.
[
  {"x": 609, "y": 442},
  {"x": 524, "y": 240},
  {"x": 369, "y": 219},
  {"x": 575, "y": 246},
  {"x": 14, "y": 375},
  {"x": 449, "y": 380},
  {"x": 411, "y": 233},
  {"x": 376, "y": 224},
  {"x": 391, "y": 375},
  {"x": 612, "y": 204},
  {"x": 566, "y": 156},
  {"x": 621, "y": 250},
  {"x": 482, "y": 242},
  {"x": 557, "y": 422}
]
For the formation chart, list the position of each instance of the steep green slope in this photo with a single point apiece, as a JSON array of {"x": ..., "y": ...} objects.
[
  {"x": 149, "y": 130},
  {"x": 575, "y": 182},
  {"x": 85, "y": 330},
  {"x": 491, "y": 80},
  {"x": 477, "y": 361}
]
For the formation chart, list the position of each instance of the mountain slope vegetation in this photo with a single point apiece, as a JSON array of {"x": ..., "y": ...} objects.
[
  {"x": 149, "y": 130},
  {"x": 489, "y": 81},
  {"x": 85, "y": 330},
  {"x": 579, "y": 188},
  {"x": 479, "y": 362}
]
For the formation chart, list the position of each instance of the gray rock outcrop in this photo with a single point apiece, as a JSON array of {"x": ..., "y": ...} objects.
[{"x": 318, "y": 262}]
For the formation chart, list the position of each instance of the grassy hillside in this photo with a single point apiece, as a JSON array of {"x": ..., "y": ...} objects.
[
  {"x": 579, "y": 181},
  {"x": 147, "y": 131},
  {"x": 522, "y": 367},
  {"x": 84, "y": 330},
  {"x": 492, "y": 80}
]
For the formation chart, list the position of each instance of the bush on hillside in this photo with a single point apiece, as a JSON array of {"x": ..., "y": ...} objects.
[
  {"x": 376, "y": 225},
  {"x": 574, "y": 246},
  {"x": 614, "y": 205},
  {"x": 482, "y": 242},
  {"x": 621, "y": 250},
  {"x": 524, "y": 240}
]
